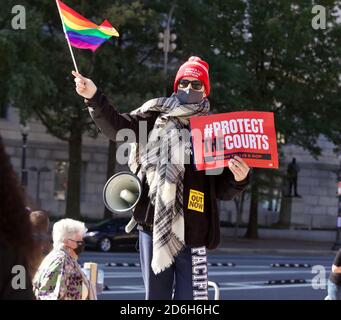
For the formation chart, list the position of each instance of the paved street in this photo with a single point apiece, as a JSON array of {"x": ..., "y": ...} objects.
[{"x": 247, "y": 279}]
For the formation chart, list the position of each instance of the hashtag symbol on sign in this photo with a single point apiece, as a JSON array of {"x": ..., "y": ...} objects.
[{"x": 208, "y": 130}]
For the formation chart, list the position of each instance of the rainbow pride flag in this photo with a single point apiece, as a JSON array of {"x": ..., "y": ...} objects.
[{"x": 81, "y": 32}]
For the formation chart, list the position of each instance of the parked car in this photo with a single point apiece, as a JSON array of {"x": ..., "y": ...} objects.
[{"x": 110, "y": 234}]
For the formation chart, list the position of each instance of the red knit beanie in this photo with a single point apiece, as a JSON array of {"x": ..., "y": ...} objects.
[{"x": 196, "y": 68}]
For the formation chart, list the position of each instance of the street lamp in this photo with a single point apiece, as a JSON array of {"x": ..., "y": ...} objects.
[
  {"x": 24, "y": 128},
  {"x": 167, "y": 45},
  {"x": 39, "y": 171},
  {"x": 337, "y": 243}
]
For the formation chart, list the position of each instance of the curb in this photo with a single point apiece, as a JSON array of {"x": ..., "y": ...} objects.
[
  {"x": 291, "y": 281},
  {"x": 290, "y": 265},
  {"x": 318, "y": 252},
  {"x": 136, "y": 264},
  {"x": 221, "y": 264},
  {"x": 121, "y": 264}
]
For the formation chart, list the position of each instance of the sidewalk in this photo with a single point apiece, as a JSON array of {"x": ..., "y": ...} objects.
[{"x": 273, "y": 246}]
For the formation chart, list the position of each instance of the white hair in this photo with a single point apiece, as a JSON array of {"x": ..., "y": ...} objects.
[{"x": 64, "y": 229}]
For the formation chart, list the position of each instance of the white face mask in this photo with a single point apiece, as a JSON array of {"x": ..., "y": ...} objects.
[{"x": 189, "y": 96}]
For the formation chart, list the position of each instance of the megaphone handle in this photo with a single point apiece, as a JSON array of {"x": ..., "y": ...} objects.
[{"x": 130, "y": 226}]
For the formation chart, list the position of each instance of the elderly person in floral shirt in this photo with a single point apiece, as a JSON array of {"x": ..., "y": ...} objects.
[{"x": 59, "y": 276}]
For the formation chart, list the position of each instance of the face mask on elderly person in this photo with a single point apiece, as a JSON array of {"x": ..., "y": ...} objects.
[{"x": 80, "y": 247}]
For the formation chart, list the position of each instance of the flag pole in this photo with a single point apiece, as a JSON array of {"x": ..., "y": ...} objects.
[{"x": 67, "y": 38}]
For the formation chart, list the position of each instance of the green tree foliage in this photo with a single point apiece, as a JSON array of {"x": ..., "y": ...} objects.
[
  {"x": 263, "y": 55},
  {"x": 37, "y": 70}
]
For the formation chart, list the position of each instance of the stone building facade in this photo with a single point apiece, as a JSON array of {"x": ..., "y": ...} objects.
[
  {"x": 44, "y": 150},
  {"x": 317, "y": 185}
]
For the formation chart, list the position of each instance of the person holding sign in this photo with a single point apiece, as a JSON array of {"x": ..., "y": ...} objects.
[{"x": 177, "y": 213}]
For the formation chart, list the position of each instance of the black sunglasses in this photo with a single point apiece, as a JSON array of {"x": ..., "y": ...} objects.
[{"x": 196, "y": 84}]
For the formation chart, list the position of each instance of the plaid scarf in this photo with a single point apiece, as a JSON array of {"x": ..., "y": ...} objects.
[{"x": 162, "y": 161}]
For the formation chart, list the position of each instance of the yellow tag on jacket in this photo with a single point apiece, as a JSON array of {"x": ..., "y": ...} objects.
[{"x": 196, "y": 200}]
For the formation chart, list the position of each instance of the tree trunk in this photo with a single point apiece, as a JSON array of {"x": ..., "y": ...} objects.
[
  {"x": 239, "y": 202},
  {"x": 74, "y": 172},
  {"x": 252, "y": 228},
  {"x": 110, "y": 170}
]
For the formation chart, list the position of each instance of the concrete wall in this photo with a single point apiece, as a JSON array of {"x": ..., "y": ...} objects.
[{"x": 44, "y": 150}]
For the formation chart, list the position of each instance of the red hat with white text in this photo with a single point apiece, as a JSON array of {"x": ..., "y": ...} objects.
[{"x": 196, "y": 68}]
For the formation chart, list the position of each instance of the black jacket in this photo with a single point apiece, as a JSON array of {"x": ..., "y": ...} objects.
[{"x": 201, "y": 228}]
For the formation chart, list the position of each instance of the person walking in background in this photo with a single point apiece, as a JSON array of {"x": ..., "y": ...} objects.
[
  {"x": 292, "y": 176},
  {"x": 59, "y": 276},
  {"x": 17, "y": 248},
  {"x": 40, "y": 223}
]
